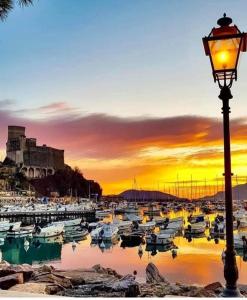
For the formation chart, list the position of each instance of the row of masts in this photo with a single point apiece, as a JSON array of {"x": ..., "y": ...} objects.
[{"x": 192, "y": 188}]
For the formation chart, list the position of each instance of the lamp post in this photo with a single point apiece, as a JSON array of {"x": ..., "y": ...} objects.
[{"x": 223, "y": 45}]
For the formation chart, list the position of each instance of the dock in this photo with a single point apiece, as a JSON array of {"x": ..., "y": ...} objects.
[{"x": 34, "y": 217}]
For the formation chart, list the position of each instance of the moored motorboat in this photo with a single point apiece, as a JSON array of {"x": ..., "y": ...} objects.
[
  {"x": 176, "y": 223},
  {"x": 93, "y": 225},
  {"x": 123, "y": 225},
  {"x": 218, "y": 230},
  {"x": 171, "y": 231},
  {"x": 134, "y": 237},
  {"x": 4, "y": 226},
  {"x": 77, "y": 234},
  {"x": 131, "y": 208},
  {"x": 49, "y": 230},
  {"x": 69, "y": 223},
  {"x": 159, "y": 239},
  {"x": 160, "y": 220},
  {"x": 152, "y": 211},
  {"x": 154, "y": 249},
  {"x": 21, "y": 232},
  {"x": 196, "y": 219},
  {"x": 102, "y": 213},
  {"x": 132, "y": 218},
  {"x": 147, "y": 226},
  {"x": 240, "y": 240},
  {"x": 14, "y": 226},
  {"x": 196, "y": 228},
  {"x": 106, "y": 232}
]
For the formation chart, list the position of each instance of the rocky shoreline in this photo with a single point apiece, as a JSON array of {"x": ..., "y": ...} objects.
[{"x": 97, "y": 282}]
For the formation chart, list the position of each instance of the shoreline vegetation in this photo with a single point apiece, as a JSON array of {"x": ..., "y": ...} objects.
[{"x": 96, "y": 282}]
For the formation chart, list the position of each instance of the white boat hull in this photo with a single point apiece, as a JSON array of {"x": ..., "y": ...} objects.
[
  {"x": 159, "y": 239},
  {"x": 147, "y": 226},
  {"x": 49, "y": 231},
  {"x": 106, "y": 233}
]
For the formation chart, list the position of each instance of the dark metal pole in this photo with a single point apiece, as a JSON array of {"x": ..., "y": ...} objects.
[{"x": 230, "y": 266}]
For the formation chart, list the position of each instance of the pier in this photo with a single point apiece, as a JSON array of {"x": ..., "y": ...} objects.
[{"x": 33, "y": 217}]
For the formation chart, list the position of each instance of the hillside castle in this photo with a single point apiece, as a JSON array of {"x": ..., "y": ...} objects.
[{"x": 33, "y": 160}]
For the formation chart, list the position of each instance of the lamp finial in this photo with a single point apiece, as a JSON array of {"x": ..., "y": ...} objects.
[{"x": 225, "y": 21}]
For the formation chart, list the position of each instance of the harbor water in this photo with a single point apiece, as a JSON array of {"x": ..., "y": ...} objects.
[{"x": 198, "y": 260}]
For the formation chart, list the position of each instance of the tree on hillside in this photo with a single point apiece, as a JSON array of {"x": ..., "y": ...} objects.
[
  {"x": 66, "y": 182},
  {"x": 7, "y": 5}
]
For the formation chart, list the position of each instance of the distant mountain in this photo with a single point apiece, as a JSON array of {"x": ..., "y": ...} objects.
[
  {"x": 142, "y": 195},
  {"x": 239, "y": 192}
]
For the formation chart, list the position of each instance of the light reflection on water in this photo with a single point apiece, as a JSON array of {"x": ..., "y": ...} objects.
[{"x": 198, "y": 261}]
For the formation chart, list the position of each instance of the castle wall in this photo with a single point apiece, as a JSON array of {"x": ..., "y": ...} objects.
[{"x": 35, "y": 161}]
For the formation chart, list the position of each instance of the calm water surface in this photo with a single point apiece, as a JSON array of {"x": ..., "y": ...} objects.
[{"x": 198, "y": 261}]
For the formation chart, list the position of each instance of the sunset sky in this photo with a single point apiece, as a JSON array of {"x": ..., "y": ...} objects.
[{"x": 123, "y": 86}]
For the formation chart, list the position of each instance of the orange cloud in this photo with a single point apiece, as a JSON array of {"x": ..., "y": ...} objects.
[{"x": 114, "y": 150}]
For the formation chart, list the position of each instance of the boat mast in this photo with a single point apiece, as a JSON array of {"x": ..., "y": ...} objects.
[{"x": 191, "y": 191}]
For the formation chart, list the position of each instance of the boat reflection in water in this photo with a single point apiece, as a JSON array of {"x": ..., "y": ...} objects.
[
  {"x": 105, "y": 245},
  {"x": 242, "y": 253},
  {"x": 154, "y": 249},
  {"x": 32, "y": 251}
]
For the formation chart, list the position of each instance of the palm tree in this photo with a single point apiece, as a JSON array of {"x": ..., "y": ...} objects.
[{"x": 7, "y": 5}]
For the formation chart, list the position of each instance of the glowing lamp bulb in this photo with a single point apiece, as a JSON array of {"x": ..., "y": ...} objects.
[{"x": 223, "y": 58}]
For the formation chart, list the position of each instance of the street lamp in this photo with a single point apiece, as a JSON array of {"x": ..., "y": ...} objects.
[{"x": 223, "y": 46}]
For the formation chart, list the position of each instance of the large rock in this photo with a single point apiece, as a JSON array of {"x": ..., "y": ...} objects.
[
  {"x": 99, "y": 269},
  {"x": 58, "y": 282},
  {"x": 30, "y": 287},
  {"x": 124, "y": 287},
  {"x": 153, "y": 275},
  {"x": 8, "y": 281},
  {"x": 213, "y": 286},
  {"x": 126, "y": 284},
  {"x": 45, "y": 269},
  {"x": 4, "y": 263},
  {"x": 201, "y": 292},
  {"x": 159, "y": 290},
  {"x": 243, "y": 289},
  {"x": 7, "y": 269},
  {"x": 216, "y": 287},
  {"x": 85, "y": 276}
]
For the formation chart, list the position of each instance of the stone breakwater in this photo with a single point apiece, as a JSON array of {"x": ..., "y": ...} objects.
[{"x": 97, "y": 282}]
